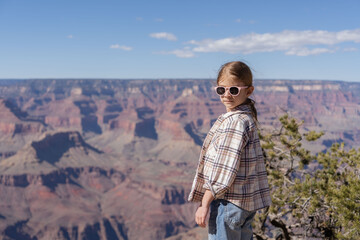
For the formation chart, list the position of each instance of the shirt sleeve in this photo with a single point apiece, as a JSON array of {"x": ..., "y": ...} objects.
[{"x": 232, "y": 140}]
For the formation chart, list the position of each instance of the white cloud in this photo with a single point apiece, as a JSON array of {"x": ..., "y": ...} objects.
[
  {"x": 159, "y": 20},
  {"x": 139, "y": 19},
  {"x": 299, "y": 43},
  {"x": 181, "y": 53},
  {"x": 246, "y": 22},
  {"x": 307, "y": 52},
  {"x": 164, "y": 35},
  {"x": 122, "y": 47},
  {"x": 70, "y": 36}
]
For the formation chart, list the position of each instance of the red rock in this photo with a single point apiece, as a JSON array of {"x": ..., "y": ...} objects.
[{"x": 99, "y": 173}]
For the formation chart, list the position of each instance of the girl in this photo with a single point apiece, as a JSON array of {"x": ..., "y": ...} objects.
[{"x": 231, "y": 177}]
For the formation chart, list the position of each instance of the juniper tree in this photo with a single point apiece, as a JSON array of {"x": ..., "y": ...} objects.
[{"x": 320, "y": 202}]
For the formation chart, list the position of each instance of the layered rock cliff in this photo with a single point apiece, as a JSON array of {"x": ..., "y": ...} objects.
[
  {"x": 60, "y": 187},
  {"x": 114, "y": 159}
]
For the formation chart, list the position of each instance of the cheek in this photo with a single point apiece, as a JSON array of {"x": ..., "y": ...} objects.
[{"x": 240, "y": 98}]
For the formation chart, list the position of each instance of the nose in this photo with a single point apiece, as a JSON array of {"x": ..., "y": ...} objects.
[{"x": 227, "y": 93}]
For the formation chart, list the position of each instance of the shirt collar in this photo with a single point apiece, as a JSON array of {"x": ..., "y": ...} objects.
[{"x": 238, "y": 109}]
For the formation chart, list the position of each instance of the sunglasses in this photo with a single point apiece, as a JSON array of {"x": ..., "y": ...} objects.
[{"x": 234, "y": 90}]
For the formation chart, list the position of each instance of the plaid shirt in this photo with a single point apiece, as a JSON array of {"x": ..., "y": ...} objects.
[{"x": 231, "y": 163}]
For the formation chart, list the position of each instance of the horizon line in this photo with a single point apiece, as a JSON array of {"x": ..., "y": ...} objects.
[{"x": 187, "y": 78}]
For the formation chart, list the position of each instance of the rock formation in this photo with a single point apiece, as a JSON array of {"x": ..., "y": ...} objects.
[{"x": 114, "y": 159}]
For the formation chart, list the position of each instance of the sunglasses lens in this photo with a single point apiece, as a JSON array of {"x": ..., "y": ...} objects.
[
  {"x": 234, "y": 91},
  {"x": 220, "y": 90}
]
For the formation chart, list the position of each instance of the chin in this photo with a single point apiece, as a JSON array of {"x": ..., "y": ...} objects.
[{"x": 229, "y": 105}]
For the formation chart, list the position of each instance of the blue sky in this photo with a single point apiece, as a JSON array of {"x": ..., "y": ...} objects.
[{"x": 179, "y": 39}]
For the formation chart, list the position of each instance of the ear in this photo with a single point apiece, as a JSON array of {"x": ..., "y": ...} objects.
[{"x": 249, "y": 91}]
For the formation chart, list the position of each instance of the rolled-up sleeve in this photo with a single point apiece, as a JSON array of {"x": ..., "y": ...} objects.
[{"x": 232, "y": 140}]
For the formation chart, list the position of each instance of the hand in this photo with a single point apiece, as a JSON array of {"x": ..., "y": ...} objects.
[{"x": 200, "y": 215}]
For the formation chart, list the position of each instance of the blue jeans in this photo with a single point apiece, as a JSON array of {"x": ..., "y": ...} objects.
[{"x": 228, "y": 221}]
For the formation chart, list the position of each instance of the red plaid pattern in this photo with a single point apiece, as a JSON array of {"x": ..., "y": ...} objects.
[{"x": 231, "y": 163}]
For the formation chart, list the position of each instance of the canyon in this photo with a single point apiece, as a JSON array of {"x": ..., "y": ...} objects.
[{"x": 115, "y": 158}]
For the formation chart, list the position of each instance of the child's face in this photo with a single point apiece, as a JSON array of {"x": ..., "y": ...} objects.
[{"x": 229, "y": 100}]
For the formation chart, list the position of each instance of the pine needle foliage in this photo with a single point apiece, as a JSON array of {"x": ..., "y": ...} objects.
[{"x": 315, "y": 196}]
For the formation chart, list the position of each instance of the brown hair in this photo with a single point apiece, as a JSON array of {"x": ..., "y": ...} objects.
[{"x": 241, "y": 72}]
